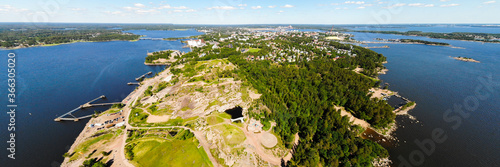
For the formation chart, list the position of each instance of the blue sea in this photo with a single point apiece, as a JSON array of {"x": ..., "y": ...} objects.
[
  {"x": 458, "y": 103},
  {"x": 53, "y": 80}
]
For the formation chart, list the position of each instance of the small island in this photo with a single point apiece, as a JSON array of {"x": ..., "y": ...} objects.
[{"x": 466, "y": 59}]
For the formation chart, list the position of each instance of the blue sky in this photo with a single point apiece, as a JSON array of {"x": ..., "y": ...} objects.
[{"x": 252, "y": 11}]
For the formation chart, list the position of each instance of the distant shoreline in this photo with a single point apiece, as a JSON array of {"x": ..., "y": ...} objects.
[{"x": 56, "y": 44}]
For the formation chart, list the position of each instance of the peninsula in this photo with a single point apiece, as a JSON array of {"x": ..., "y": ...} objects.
[{"x": 248, "y": 98}]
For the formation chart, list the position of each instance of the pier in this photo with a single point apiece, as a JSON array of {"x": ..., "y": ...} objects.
[
  {"x": 142, "y": 76},
  {"x": 134, "y": 83},
  {"x": 83, "y": 106}
]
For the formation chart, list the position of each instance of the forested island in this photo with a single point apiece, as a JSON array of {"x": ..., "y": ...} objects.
[
  {"x": 29, "y": 38},
  {"x": 413, "y": 41},
  {"x": 467, "y": 36}
]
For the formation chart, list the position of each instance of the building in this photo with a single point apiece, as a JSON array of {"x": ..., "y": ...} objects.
[{"x": 196, "y": 43}]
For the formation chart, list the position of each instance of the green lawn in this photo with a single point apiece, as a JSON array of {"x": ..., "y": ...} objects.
[
  {"x": 152, "y": 152},
  {"x": 253, "y": 50},
  {"x": 213, "y": 120}
]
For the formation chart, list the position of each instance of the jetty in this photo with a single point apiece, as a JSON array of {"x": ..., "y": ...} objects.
[
  {"x": 142, "y": 76},
  {"x": 134, "y": 83},
  {"x": 83, "y": 106},
  {"x": 372, "y": 47}
]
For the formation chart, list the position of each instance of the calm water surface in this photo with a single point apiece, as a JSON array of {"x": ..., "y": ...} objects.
[
  {"x": 54, "y": 80},
  {"x": 429, "y": 76}
]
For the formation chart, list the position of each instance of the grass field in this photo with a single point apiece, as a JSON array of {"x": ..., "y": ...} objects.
[
  {"x": 253, "y": 50},
  {"x": 213, "y": 120},
  {"x": 152, "y": 152},
  {"x": 232, "y": 135}
]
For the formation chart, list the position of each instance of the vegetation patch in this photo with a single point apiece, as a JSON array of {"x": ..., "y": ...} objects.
[
  {"x": 232, "y": 135},
  {"x": 181, "y": 151}
]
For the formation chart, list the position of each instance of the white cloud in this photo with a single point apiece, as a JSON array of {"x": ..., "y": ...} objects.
[
  {"x": 142, "y": 11},
  {"x": 180, "y": 7},
  {"x": 489, "y": 2},
  {"x": 444, "y": 0},
  {"x": 242, "y": 5},
  {"x": 271, "y": 6},
  {"x": 190, "y": 10},
  {"x": 164, "y": 7},
  {"x": 140, "y": 5},
  {"x": 178, "y": 11},
  {"x": 78, "y": 9},
  {"x": 334, "y": 4},
  {"x": 280, "y": 12},
  {"x": 450, "y": 5},
  {"x": 9, "y": 8},
  {"x": 256, "y": 7},
  {"x": 222, "y": 8},
  {"x": 421, "y": 5},
  {"x": 355, "y": 2},
  {"x": 395, "y": 5},
  {"x": 288, "y": 6},
  {"x": 361, "y": 7},
  {"x": 128, "y": 8},
  {"x": 113, "y": 13}
]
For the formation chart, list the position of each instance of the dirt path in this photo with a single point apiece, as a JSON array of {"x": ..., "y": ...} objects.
[
  {"x": 254, "y": 139},
  {"x": 353, "y": 119}
]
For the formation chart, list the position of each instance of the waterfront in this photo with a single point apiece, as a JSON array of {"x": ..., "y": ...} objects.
[
  {"x": 436, "y": 82},
  {"x": 56, "y": 79}
]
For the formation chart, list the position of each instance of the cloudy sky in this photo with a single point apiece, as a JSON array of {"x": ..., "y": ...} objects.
[{"x": 252, "y": 11}]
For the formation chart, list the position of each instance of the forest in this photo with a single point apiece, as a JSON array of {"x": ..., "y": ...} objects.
[
  {"x": 302, "y": 96},
  {"x": 158, "y": 55}
]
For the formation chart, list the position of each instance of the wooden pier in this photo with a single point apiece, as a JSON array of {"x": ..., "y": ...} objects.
[
  {"x": 142, "y": 76},
  {"x": 86, "y": 105}
]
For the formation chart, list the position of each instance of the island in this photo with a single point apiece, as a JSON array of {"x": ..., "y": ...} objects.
[
  {"x": 466, "y": 36},
  {"x": 248, "y": 98},
  {"x": 466, "y": 59}
]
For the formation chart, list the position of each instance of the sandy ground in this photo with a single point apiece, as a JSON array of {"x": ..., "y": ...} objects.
[
  {"x": 268, "y": 140},
  {"x": 377, "y": 92},
  {"x": 354, "y": 120},
  {"x": 157, "y": 119}
]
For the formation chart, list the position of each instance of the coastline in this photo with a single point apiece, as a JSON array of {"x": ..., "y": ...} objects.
[{"x": 47, "y": 45}]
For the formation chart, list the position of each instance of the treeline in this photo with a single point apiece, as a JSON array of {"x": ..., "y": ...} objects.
[
  {"x": 423, "y": 42},
  {"x": 301, "y": 98},
  {"x": 481, "y": 37},
  {"x": 44, "y": 36}
]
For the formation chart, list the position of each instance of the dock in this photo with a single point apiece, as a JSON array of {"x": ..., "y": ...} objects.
[
  {"x": 142, "y": 76},
  {"x": 83, "y": 106},
  {"x": 134, "y": 83}
]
